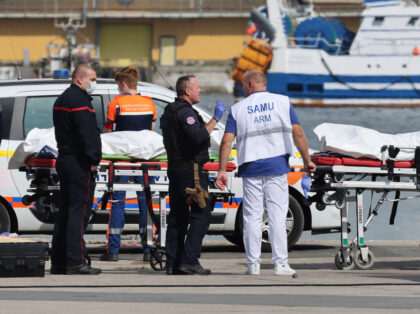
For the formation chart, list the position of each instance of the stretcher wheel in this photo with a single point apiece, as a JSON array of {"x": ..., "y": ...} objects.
[
  {"x": 338, "y": 177},
  {"x": 360, "y": 263},
  {"x": 326, "y": 199},
  {"x": 158, "y": 260},
  {"x": 26, "y": 200},
  {"x": 340, "y": 205},
  {"x": 320, "y": 206},
  {"x": 341, "y": 264},
  {"x": 42, "y": 203}
]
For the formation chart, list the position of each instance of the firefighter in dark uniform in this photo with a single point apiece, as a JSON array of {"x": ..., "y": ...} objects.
[
  {"x": 79, "y": 153},
  {"x": 186, "y": 138}
]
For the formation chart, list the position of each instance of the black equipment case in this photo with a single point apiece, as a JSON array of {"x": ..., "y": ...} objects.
[{"x": 23, "y": 259}]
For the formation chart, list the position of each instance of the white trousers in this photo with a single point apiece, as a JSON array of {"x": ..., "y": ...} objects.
[{"x": 273, "y": 193}]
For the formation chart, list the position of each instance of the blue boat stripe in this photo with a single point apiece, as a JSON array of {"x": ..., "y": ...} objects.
[{"x": 278, "y": 83}]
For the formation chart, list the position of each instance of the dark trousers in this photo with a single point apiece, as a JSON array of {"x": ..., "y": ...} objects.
[
  {"x": 77, "y": 187},
  {"x": 117, "y": 215},
  {"x": 186, "y": 228}
]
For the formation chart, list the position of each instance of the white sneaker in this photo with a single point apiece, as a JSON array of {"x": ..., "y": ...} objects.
[
  {"x": 253, "y": 269},
  {"x": 285, "y": 269}
]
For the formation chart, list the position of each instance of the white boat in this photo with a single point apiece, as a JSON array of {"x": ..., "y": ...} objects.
[{"x": 381, "y": 68}]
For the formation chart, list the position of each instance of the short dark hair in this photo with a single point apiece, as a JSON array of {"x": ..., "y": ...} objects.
[
  {"x": 81, "y": 70},
  {"x": 182, "y": 83}
]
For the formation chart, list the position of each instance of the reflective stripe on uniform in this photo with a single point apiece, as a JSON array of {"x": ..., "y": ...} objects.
[
  {"x": 115, "y": 230},
  {"x": 136, "y": 113},
  {"x": 263, "y": 132}
]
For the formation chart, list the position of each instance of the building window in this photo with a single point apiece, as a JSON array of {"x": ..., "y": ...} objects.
[{"x": 167, "y": 50}]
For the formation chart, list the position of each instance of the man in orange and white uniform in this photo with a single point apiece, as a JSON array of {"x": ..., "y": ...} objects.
[{"x": 127, "y": 112}]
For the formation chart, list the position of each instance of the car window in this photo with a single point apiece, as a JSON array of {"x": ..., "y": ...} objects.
[
  {"x": 160, "y": 107},
  {"x": 7, "y": 111},
  {"x": 38, "y": 112}
]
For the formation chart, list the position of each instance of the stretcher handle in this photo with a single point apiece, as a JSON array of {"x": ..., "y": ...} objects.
[{"x": 148, "y": 193}]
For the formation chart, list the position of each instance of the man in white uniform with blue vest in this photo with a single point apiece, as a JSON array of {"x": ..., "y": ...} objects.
[{"x": 265, "y": 126}]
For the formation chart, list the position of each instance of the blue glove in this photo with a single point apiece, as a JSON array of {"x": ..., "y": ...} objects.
[
  {"x": 219, "y": 110},
  {"x": 306, "y": 184}
]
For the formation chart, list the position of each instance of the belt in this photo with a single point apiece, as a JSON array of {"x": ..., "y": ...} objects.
[{"x": 183, "y": 164}]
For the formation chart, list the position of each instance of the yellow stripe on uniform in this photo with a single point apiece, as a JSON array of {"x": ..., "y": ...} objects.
[{"x": 233, "y": 152}]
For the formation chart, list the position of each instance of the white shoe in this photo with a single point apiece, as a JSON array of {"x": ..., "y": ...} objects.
[
  {"x": 285, "y": 269},
  {"x": 253, "y": 269}
]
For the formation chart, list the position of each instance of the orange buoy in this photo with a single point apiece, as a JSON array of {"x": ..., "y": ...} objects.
[
  {"x": 256, "y": 55},
  {"x": 416, "y": 51}
]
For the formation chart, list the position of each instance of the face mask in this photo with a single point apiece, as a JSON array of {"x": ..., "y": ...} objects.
[{"x": 91, "y": 87}]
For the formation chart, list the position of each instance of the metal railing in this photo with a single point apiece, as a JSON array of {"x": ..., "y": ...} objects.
[
  {"x": 314, "y": 43},
  {"x": 86, "y": 7}
]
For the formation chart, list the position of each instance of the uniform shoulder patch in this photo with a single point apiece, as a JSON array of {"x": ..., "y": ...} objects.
[{"x": 190, "y": 120}]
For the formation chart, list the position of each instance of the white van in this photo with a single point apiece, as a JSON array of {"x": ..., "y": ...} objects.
[{"x": 28, "y": 104}]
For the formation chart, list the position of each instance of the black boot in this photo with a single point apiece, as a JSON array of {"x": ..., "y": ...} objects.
[
  {"x": 194, "y": 269},
  {"x": 82, "y": 269},
  {"x": 109, "y": 257}
]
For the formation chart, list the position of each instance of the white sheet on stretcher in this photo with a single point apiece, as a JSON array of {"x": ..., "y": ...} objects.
[
  {"x": 137, "y": 144},
  {"x": 356, "y": 141}
]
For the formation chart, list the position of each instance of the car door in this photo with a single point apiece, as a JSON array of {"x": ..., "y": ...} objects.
[{"x": 34, "y": 110}]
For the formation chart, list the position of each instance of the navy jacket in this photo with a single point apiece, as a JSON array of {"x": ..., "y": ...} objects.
[{"x": 76, "y": 130}]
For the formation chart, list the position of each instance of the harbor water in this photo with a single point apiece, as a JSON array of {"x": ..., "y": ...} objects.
[{"x": 385, "y": 120}]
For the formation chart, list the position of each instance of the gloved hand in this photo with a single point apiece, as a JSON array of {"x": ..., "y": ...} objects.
[
  {"x": 219, "y": 110},
  {"x": 306, "y": 184}
]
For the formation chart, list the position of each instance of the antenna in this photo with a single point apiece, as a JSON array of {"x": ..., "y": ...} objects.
[
  {"x": 163, "y": 76},
  {"x": 14, "y": 56}
]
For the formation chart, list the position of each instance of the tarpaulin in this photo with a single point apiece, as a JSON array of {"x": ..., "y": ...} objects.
[
  {"x": 357, "y": 141},
  {"x": 137, "y": 144}
]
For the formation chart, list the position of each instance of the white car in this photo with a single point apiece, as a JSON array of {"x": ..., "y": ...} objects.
[{"x": 28, "y": 104}]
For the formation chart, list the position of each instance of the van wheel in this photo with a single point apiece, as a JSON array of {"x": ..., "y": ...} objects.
[
  {"x": 4, "y": 219},
  {"x": 294, "y": 226}
]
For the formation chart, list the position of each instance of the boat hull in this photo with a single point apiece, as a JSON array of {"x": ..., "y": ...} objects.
[{"x": 314, "y": 78}]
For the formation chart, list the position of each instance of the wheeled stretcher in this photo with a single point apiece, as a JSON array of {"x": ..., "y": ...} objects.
[
  {"x": 45, "y": 187},
  {"x": 342, "y": 180}
]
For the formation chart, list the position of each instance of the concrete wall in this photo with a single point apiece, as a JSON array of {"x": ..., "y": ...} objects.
[{"x": 212, "y": 79}]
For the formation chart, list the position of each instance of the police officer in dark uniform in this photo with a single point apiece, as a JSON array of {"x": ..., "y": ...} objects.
[
  {"x": 186, "y": 138},
  {"x": 79, "y": 153}
]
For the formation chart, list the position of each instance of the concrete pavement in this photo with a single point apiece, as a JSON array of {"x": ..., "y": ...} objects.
[{"x": 131, "y": 286}]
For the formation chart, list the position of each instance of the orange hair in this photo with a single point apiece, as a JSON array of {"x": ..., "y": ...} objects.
[{"x": 129, "y": 76}]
